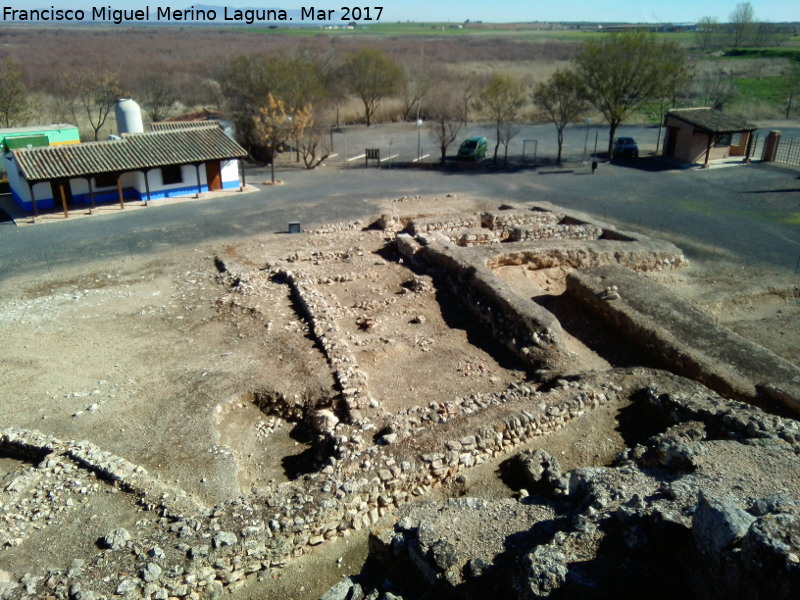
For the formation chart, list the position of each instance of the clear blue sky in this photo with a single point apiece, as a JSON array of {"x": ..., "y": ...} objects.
[
  {"x": 674, "y": 11},
  {"x": 583, "y": 10}
]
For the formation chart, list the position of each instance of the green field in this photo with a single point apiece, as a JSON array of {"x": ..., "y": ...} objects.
[{"x": 771, "y": 90}]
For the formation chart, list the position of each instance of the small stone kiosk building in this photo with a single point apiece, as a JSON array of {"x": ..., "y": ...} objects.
[{"x": 700, "y": 135}]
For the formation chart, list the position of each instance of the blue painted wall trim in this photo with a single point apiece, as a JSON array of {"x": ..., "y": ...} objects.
[{"x": 111, "y": 196}]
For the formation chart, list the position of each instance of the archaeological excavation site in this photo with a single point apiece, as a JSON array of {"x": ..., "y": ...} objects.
[{"x": 451, "y": 400}]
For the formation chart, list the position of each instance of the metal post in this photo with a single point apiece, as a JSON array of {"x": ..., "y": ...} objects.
[
  {"x": 419, "y": 136},
  {"x": 586, "y": 141}
]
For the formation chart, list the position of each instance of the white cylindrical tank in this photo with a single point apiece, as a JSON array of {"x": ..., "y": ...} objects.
[{"x": 129, "y": 116}]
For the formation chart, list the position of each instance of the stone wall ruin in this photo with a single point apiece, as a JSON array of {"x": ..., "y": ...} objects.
[{"x": 378, "y": 463}]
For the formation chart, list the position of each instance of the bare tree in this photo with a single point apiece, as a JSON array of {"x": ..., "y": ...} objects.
[
  {"x": 15, "y": 101},
  {"x": 372, "y": 76},
  {"x": 743, "y": 24},
  {"x": 563, "y": 99},
  {"x": 507, "y": 132},
  {"x": 711, "y": 88},
  {"x": 156, "y": 94},
  {"x": 312, "y": 140},
  {"x": 501, "y": 99},
  {"x": 419, "y": 79},
  {"x": 93, "y": 94},
  {"x": 469, "y": 87},
  {"x": 768, "y": 34},
  {"x": 708, "y": 32},
  {"x": 445, "y": 117}
]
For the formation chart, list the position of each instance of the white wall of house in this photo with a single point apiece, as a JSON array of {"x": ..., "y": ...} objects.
[
  {"x": 18, "y": 185},
  {"x": 230, "y": 174},
  {"x": 133, "y": 184}
]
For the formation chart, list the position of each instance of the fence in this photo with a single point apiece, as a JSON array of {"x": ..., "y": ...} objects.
[{"x": 787, "y": 151}]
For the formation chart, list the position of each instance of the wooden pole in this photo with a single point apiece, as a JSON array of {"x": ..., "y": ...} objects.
[
  {"x": 91, "y": 194},
  {"x": 749, "y": 147},
  {"x": 146, "y": 187},
  {"x": 63, "y": 198},
  {"x": 119, "y": 190},
  {"x": 199, "y": 185}
]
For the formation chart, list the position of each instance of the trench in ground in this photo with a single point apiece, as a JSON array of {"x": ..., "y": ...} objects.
[
  {"x": 269, "y": 437},
  {"x": 599, "y": 345}
]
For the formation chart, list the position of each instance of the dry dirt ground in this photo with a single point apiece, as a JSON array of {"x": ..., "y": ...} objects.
[{"x": 157, "y": 361}]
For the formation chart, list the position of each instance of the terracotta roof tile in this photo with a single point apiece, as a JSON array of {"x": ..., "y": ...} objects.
[{"x": 712, "y": 120}]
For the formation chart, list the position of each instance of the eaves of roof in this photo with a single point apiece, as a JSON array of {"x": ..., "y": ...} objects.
[
  {"x": 712, "y": 121},
  {"x": 136, "y": 152}
]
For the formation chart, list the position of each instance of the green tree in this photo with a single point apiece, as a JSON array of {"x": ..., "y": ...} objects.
[
  {"x": 501, "y": 99},
  {"x": 299, "y": 81},
  {"x": 15, "y": 101},
  {"x": 622, "y": 71},
  {"x": 562, "y": 98},
  {"x": 372, "y": 76},
  {"x": 94, "y": 94},
  {"x": 249, "y": 79}
]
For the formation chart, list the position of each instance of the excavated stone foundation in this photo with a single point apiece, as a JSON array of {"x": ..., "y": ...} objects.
[{"x": 667, "y": 516}]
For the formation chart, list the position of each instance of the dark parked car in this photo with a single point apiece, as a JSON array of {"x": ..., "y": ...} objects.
[{"x": 626, "y": 146}]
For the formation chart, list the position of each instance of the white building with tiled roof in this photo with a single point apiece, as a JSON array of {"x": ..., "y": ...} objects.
[{"x": 196, "y": 158}]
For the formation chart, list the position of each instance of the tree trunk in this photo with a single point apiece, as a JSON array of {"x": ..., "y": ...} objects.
[
  {"x": 367, "y": 112},
  {"x": 611, "y": 133},
  {"x": 560, "y": 143},
  {"x": 497, "y": 145},
  {"x": 272, "y": 164},
  {"x": 658, "y": 140}
]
